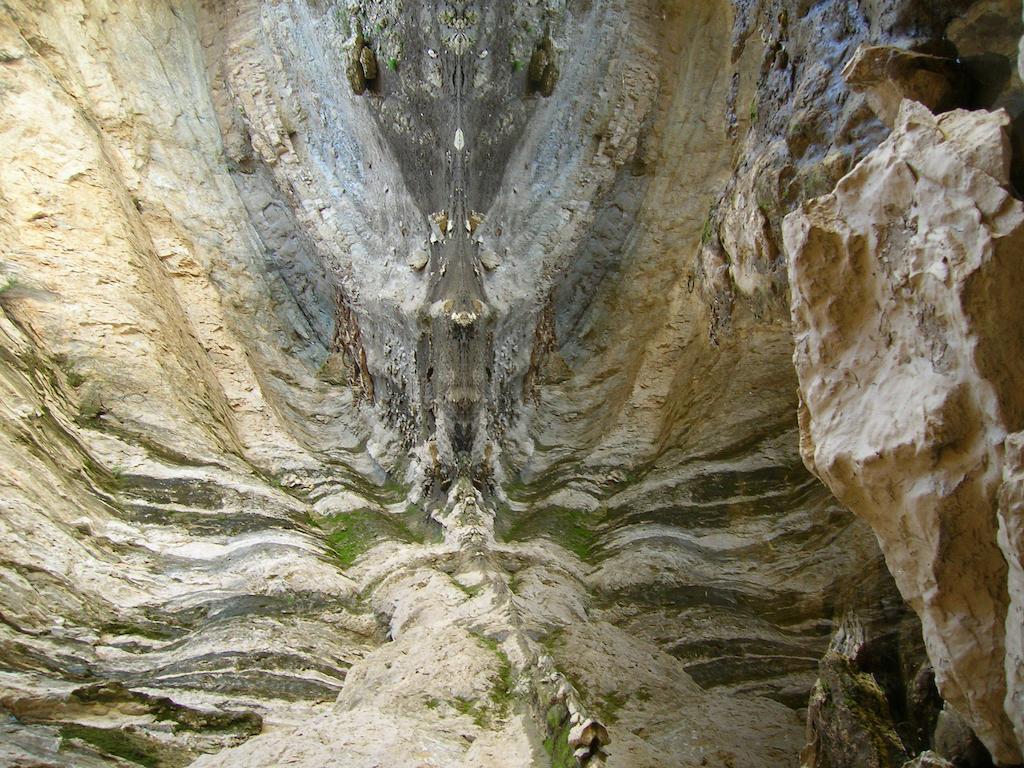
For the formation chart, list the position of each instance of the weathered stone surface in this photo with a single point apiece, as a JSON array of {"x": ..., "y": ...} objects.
[
  {"x": 904, "y": 283},
  {"x": 665, "y": 450},
  {"x": 589, "y": 733},
  {"x": 1011, "y": 542},
  {"x": 849, "y": 724},
  {"x": 849, "y": 721},
  {"x": 428, "y": 423},
  {"x": 368, "y": 60},
  {"x": 928, "y": 759},
  {"x": 889, "y": 75},
  {"x": 956, "y": 742}
]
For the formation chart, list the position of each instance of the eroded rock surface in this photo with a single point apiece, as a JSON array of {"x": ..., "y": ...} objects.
[
  {"x": 412, "y": 382},
  {"x": 907, "y": 345}
]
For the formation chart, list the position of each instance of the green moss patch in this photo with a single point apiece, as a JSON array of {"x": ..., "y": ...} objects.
[
  {"x": 489, "y": 712},
  {"x": 557, "y": 747},
  {"x": 502, "y": 691},
  {"x": 568, "y": 528},
  {"x": 608, "y": 708},
  {"x": 351, "y": 534},
  {"x": 163, "y": 708},
  {"x": 133, "y": 747},
  {"x": 480, "y": 715},
  {"x": 147, "y": 629}
]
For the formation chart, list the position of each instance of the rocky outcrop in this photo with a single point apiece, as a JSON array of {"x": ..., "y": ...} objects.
[
  {"x": 928, "y": 759},
  {"x": 889, "y": 75},
  {"x": 904, "y": 284},
  {"x": 875, "y": 701},
  {"x": 242, "y": 370},
  {"x": 849, "y": 720}
]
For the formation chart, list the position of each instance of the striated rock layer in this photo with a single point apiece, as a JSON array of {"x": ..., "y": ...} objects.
[{"x": 411, "y": 383}]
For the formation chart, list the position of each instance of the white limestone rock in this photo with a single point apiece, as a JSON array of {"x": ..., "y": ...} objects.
[{"x": 906, "y": 285}]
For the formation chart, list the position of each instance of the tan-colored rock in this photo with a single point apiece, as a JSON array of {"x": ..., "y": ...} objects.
[
  {"x": 355, "y": 74},
  {"x": 906, "y": 313},
  {"x": 439, "y": 226},
  {"x": 368, "y": 60},
  {"x": 226, "y": 410},
  {"x": 1011, "y": 542},
  {"x": 888, "y": 75},
  {"x": 538, "y": 63},
  {"x": 489, "y": 258},
  {"x": 590, "y": 734}
]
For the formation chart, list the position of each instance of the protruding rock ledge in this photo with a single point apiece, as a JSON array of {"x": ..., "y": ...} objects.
[
  {"x": 906, "y": 285},
  {"x": 888, "y": 75}
]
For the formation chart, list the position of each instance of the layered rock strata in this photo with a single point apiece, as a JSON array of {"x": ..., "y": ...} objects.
[{"x": 411, "y": 382}]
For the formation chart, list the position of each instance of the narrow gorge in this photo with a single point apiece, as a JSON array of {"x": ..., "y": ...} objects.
[{"x": 569, "y": 383}]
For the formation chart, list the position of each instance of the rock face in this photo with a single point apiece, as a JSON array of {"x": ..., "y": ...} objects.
[
  {"x": 908, "y": 356},
  {"x": 390, "y": 383},
  {"x": 890, "y": 75}
]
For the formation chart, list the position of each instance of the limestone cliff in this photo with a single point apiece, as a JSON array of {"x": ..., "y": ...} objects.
[
  {"x": 393, "y": 383},
  {"x": 907, "y": 351}
]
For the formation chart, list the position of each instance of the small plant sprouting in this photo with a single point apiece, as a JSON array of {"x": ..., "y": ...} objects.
[
  {"x": 117, "y": 472},
  {"x": 393, "y": 63},
  {"x": 708, "y": 230}
]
